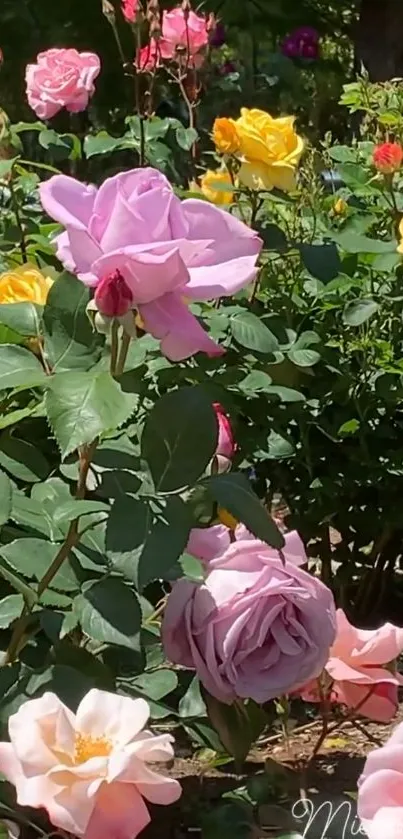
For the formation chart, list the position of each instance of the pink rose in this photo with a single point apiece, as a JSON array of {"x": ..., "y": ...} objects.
[
  {"x": 380, "y": 790},
  {"x": 254, "y": 629},
  {"x": 89, "y": 770},
  {"x": 357, "y": 668},
  {"x": 182, "y": 34},
  {"x": 61, "y": 78},
  {"x": 166, "y": 250},
  {"x": 130, "y": 9},
  {"x": 148, "y": 57},
  {"x": 209, "y": 544}
]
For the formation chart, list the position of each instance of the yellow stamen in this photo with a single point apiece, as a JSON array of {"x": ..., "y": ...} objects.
[{"x": 86, "y": 747}]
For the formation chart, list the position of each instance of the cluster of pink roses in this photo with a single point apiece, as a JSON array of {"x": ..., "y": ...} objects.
[{"x": 183, "y": 37}]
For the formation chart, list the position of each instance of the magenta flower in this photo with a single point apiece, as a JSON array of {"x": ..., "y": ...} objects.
[
  {"x": 166, "y": 251},
  {"x": 61, "y": 78},
  {"x": 302, "y": 43}
]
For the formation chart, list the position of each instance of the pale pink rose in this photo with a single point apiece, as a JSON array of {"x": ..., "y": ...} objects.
[
  {"x": 380, "y": 790},
  {"x": 255, "y": 628},
  {"x": 89, "y": 770},
  {"x": 209, "y": 544},
  {"x": 357, "y": 667},
  {"x": 182, "y": 34},
  {"x": 167, "y": 251},
  {"x": 61, "y": 78}
]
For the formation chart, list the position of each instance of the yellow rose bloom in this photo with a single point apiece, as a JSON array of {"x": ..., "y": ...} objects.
[
  {"x": 400, "y": 248},
  {"x": 227, "y": 518},
  {"x": 340, "y": 207},
  {"x": 24, "y": 283},
  {"x": 209, "y": 182},
  {"x": 225, "y": 136},
  {"x": 268, "y": 149}
]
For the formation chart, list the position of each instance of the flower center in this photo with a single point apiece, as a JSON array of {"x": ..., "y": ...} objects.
[{"x": 86, "y": 747}]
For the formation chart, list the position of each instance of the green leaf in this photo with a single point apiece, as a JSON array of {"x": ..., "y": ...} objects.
[
  {"x": 168, "y": 439},
  {"x": 10, "y": 609},
  {"x": 343, "y": 154},
  {"x": 16, "y": 416},
  {"x": 186, "y": 137},
  {"x": 322, "y": 261},
  {"x": 192, "y": 703},
  {"x": 33, "y": 557},
  {"x": 24, "y": 318},
  {"x": 72, "y": 509},
  {"x": 354, "y": 243},
  {"x": 279, "y": 447},
  {"x": 6, "y": 167},
  {"x": 70, "y": 342},
  {"x": 239, "y": 815},
  {"x": 5, "y": 498},
  {"x": 255, "y": 382},
  {"x": 155, "y": 685},
  {"x": 109, "y": 612},
  {"x": 234, "y": 493},
  {"x": 101, "y": 143},
  {"x": 249, "y": 331},
  {"x": 80, "y": 406},
  {"x": 359, "y": 311},
  {"x": 237, "y": 725},
  {"x": 19, "y": 585},
  {"x": 286, "y": 394},
  {"x": 274, "y": 238},
  {"x": 19, "y": 368},
  {"x": 60, "y": 146},
  {"x": 157, "y": 537},
  {"x": 22, "y": 459},
  {"x": 303, "y": 358}
]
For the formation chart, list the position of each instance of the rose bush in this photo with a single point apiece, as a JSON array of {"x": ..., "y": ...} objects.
[
  {"x": 163, "y": 249},
  {"x": 255, "y": 628},
  {"x": 61, "y": 78}
]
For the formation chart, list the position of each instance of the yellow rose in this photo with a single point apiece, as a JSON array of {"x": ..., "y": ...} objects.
[
  {"x": 227, "y": 518},
  {"x": 340, "y": 207},
  {"x": 209, "y": 183},
  {"x": 269, "y": 150},
  {"x": 225, "y": 136},
  {"x": 24, "y": 283},
  {"x": 400, "y": 248}
]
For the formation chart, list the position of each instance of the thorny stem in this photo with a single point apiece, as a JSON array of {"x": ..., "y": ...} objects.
[{"x": 23, "y": 244}]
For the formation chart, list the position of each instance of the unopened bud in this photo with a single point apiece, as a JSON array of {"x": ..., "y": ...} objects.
[
  {"x": 211, "y": 22},
  {"x": 109, "y": 11},
  {"x": 113, "y": 297},
  {"x": 186, "y": 8}
]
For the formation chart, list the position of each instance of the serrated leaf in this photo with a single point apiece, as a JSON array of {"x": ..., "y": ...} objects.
[
  {"x": 157, "y": 537},
  {"x": 168, "y": 439},
  {"x": 32, "y": 557},
  {"x": 72, "y": 509},
  {"x": 250, "y": 331},
  {"x": 24, "y": 318},
  {"x": 10, "y": 609},
  {"x": 234, "y": 493},
  {"x": 109, "y": 612},
  {"x": 5, "y": 498},
  {"x": 80, "y": 406},
  {"x": 19, "y": 368},
  {"x": 70, "y": 342},
  {"x": 18, "y": 584}
]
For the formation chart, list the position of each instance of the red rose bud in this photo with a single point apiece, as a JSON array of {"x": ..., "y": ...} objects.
[
  {"x": 226, "y": 445},
  {"x": 113, "y": 297},
  {"x": 387, "y": 158}
]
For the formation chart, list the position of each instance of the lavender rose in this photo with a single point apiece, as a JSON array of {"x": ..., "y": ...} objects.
[{"x": 254, "y": 629}]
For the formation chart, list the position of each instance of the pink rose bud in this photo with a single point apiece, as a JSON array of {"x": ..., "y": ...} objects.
[
  {"x": 61, "y": 78},
  {"x": 226, "y": 444},
  {"x": 130, "y": 9},
  {"x": 113, "y": 297}
]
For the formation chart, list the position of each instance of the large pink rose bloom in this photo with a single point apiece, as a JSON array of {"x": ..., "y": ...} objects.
[
  {"x": 255, "y": 628},
  {"x": 61, "y": 78},
  {"x": 182, "y": 34},
  {"x": 89, "y": 770},
  {"x": 380, "y": 790},
  {"x": 357, "y": 666},
  {"x": 134, "y": 229},
  {"x": 210, "y": 544}
]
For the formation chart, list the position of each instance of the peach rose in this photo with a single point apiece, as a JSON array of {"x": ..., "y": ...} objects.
[
  {"x": 61, "y": 78},
  {"x": 89, "y": 770},
  {"x": 361, "y": 669},
  {"x": 380, "y": 790}
]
